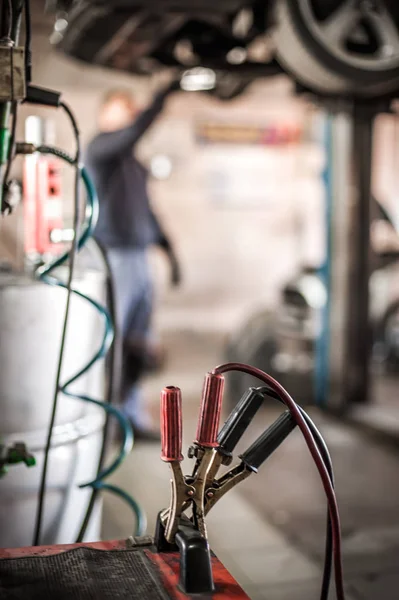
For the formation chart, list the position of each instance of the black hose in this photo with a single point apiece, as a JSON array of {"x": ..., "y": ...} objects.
[
  {"x": 113, "y": 365},
  {"x": 72, "y": 261},
  {"x": 10, "y": 18},
  {"x": 11, "y": 147},
  {"x": 28, "y": 43}
]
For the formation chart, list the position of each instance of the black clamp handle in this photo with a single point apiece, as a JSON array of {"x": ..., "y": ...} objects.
[
  {"x": 240, "y": 418},
  {"x": 268, "y": 442}
]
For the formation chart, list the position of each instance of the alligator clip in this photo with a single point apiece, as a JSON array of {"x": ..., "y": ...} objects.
[
  {"x": 190, "y": 491},
  {"x": 202, "y": 490}
]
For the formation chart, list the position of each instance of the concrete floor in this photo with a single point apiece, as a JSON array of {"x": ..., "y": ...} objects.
[{"x": 270, "y": 531}]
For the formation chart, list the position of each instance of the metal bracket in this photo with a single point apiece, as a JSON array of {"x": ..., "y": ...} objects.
[
  {"x": 12, "y": 69},
  {"x": 195, "y": 556}
]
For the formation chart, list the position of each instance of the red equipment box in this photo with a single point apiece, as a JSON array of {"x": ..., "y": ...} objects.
[{"x": 105, "y": 570}]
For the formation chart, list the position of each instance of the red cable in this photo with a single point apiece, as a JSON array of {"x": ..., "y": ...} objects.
[{"x": 330, "y": 493}]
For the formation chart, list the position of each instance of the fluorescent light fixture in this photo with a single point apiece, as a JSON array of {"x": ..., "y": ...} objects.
[{"x": 198, "y": 79}]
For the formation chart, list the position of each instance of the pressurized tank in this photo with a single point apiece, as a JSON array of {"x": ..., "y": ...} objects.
[{"x": 31, "y": 319}]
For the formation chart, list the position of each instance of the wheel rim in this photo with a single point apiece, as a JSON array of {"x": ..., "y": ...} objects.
[{"x": 363, "y": 34}]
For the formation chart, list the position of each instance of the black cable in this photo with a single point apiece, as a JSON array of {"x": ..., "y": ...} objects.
[
  {"x": 75, "y": 128},
  {"x": 28, "y": 42},
  {"x": 44, "y": 149},
  {"x": 11, "y": 147},
  {"x": 10, "y": 16},
  {"x": 73, "y": 253},
  {"x": 113, "y": 385},
  {"x": 322, "y": 446},
  {"x": 11, "y": 144}
]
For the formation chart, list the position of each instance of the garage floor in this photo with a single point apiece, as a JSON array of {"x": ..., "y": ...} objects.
[{"x": 270, "y": 532}]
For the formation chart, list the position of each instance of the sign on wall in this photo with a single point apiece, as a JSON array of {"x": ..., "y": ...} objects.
[{"x": 273, "y": 134}]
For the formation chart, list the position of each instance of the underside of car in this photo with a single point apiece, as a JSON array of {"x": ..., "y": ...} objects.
[{"x": 333, "y": 47}]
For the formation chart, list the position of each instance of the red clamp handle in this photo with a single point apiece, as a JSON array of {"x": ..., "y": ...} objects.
[
  {"x": 171, "y": 424},
  {"x": 211, "y": 406}
]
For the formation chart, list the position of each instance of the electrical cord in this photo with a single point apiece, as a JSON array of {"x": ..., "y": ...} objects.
[
  {"x": 45, "y": 275},
  {"x": 10, "y": 16},
  {"x": 317, "y": 457},
  {"x": 322, "y": 446},
  {"x": 11, "y": 147},
  {"x": 14, "y": 109},
  {"x": 28, "y": 42},
  {"x": 113, "y": 383},
  {"x": 76, "y": 131},
  {"x": 72, "y": 260}
]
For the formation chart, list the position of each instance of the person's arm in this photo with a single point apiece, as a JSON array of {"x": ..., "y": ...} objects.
[{"x": 108, "y": 145}]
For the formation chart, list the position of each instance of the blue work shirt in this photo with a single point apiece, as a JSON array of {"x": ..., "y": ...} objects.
[{"x": 125, "y": 217}]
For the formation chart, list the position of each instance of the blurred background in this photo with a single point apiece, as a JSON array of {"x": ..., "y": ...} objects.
[{"x": 242, "y": 186}]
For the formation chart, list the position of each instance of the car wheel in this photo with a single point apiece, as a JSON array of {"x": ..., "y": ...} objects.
[{"x": 339, "y": 47}]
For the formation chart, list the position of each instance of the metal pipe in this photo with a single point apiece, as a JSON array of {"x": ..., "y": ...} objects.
[{"x": 358, "y": 327}]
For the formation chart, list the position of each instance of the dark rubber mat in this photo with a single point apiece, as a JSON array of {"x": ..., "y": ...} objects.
[{"x": 81, "y": 574}]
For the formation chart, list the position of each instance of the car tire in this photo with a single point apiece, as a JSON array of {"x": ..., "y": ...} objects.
[{"x": 320, "y": 65}]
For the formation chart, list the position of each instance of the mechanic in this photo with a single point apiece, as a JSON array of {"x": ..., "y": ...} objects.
[{"x": 126, "y": 228}]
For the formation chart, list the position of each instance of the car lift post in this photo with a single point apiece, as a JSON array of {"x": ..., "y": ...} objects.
[{"x": 347, "y": 326}]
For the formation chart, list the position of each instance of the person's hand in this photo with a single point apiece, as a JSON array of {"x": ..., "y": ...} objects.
[
  {"x": 175, "y": 271},
  {"x": 176, "y": 276}
]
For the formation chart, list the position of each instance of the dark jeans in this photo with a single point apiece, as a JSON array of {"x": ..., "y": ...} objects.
[{"x": 133, "y": 300}]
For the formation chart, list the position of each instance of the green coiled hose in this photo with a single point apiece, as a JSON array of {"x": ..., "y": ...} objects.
[{"x": 44, "y": 273}]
